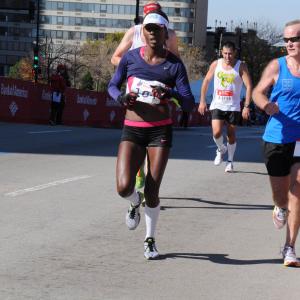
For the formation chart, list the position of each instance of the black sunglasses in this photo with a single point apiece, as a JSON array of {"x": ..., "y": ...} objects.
[
  {"x": 293, "y": 39},
  {"x": 153, "y": 27}
]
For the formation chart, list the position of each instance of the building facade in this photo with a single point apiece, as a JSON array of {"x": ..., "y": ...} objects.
[
  {"x": 17, "y": 31},
  {"x": 75, "y": 21}
]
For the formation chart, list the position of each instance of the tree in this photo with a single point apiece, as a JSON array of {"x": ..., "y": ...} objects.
[
  {"x": 95, "y": 56},
  {"x": 194, "y": 60},
  {"x": 22, "y": 69},
  {"x": 87, "y": 81},
  {"x": 257, "y": 49}
]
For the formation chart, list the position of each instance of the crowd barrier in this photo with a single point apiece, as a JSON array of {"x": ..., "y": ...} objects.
[{"x": 29, "y": 102}]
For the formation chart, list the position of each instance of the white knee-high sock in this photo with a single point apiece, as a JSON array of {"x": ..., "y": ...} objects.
[
  {"x": 219, "y": 142},
  {"x": 134, "y": 198},
  {"x": 151, "y": 218},
  {"x": 231, "y": 149}
]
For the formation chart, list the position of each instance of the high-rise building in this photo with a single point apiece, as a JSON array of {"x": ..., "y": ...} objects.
[
  {"x": 17, "y": 28},
  {"x": 78, "y": 20},
  {"x": 75, "y": 21}
]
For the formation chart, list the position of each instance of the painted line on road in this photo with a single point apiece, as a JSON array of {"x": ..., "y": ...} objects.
[
  {"x": 49, "y": 131},
  {"x": 4, "y": 153},
  {"x": 45, "y": 186}
]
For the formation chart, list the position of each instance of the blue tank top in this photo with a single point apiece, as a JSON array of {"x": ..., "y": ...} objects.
[{"x": 284, "y": 127}]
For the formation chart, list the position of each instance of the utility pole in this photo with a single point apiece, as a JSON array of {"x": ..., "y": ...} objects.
[
  {"x": 137, "y": 10},
  {"x": 36, "y": 48}
]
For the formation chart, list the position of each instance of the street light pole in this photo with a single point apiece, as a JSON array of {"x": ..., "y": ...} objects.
[
  {"x": 36, "y": 50},
  {"x": 137, "y": 9}
]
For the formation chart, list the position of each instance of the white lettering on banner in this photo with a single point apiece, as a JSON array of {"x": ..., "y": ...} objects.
[
  {"x": 86, "y": 100},
  {"x": 112, "y": 115},
  {"x": 13, "y": 91},
  {"x": 13, "y": 107},
  {"x": 86, "y": 114},
  {"x": 46, "y": 95},
  {"x": 111, "y": 103}
]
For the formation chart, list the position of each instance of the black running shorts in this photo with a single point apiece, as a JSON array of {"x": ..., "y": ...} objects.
[
  {"x": 231, "y": 117},
  {"x": 158, "y": 136},
  {"x": 279, "y": 158}
]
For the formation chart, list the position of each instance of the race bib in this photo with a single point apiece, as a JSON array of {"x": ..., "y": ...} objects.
[
  {"x": 297, "y": 149},
  {"x": 144, "y": 89},
  {"x": 56, "y": 97},
  {"x": 224, "y": 96}
]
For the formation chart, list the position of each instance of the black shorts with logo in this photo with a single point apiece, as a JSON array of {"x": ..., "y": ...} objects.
[
  {"x": 279, "y": 158},
  {"x": 158, "y": 136},
  {"x": 231, "y": 117}
]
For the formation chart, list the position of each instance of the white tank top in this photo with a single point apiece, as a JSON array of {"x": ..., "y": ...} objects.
[
  {"x": 227, "y": 88},
  {"x": 137, "y": 38}
]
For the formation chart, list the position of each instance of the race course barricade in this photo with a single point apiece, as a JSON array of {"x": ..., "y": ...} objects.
[{"x": 29, "y": 102}]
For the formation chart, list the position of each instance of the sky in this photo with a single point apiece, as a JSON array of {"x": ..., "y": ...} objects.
[{"x": 275, "y": 12}]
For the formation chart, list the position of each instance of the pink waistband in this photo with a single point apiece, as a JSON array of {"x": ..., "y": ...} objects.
[{"x": 147, "y": 124}]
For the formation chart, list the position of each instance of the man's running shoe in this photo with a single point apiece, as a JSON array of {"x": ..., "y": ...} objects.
[
  {"x": 219, "y": 155},
  {"x": 150, "y": 251},
  {"x": 279, "y": 217},
  {"x": 229, "y": 167},
  {"x": 289, "y": 257},
  {"x": 140, "y": 180},
  {"x": 133, "y": 216}
]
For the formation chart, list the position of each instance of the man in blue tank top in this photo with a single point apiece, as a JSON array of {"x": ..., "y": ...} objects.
[{"x": 281, "y": 140}]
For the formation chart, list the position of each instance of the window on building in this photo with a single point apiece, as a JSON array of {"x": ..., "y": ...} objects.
[
  {"x": 78, "y": 7},
  {"x": 115, "y": 9},
  {"x": 78, "y": 21},
  {"x": 60, "y": 20},
  {"x": 83, "y": 36},
  {"x": 90, "y": 7},
  {"x": 65, "y": 35},
  {"x": 60, "y": 6},
  {"x": 71, "y": 35},
  {"x": 177, "y": 12},
  {"x": 72, "y": 6},
  {"x": 103, "y": 8},
  {"x": 109, "y": 9},
  {"x": 59, "y": 34}
]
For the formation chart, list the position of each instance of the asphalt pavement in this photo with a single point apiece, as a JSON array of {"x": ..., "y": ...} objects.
[{"x": 62, "y": 225}]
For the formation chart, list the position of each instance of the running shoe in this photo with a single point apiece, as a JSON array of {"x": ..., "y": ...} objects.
[
  {"x": 150, "y": 250},
  {"x": 140, "y": 180},
  {"x": 229, "y": 167},
  {"x": 219, "y": 155},
  {"x": 133, "y": 216},
  {"x": 143, "y": 199},
  {"x": 289, "y": 257},
  {"x": 279, "y": 217}
]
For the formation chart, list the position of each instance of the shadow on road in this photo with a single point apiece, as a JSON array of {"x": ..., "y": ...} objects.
[
  {"x": 194, "y": 144},
  {"x": 216, "y": 204},
  {"x": 222, "y": 259},
  {"x": 250, "y": 172}
]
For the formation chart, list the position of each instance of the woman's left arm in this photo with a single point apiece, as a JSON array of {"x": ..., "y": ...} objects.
[{"x": 184, "y": 92}]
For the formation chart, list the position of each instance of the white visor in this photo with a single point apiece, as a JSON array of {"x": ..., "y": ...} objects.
[{"x": 155, "y": 19}]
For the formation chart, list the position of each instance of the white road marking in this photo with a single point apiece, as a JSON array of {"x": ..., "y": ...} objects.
[
  {"x": 49, "y": 131},
  {"x": 45, "y": 186}
]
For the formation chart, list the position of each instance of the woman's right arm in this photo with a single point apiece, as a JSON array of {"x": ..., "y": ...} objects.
[
  {"x": 123, "y": 47},
  {"x": 114, "y": 86}
]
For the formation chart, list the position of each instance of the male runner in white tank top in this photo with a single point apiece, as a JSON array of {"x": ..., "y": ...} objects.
[{"x": 229, "y": 75}]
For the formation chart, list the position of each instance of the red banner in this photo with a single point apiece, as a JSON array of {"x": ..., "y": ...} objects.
[{"x": 22, "y": 101}]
